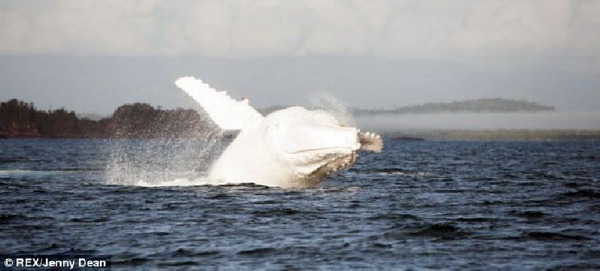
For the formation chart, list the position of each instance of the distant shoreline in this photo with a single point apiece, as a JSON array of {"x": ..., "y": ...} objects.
[
  {"x": 141, "y": 121},
  {"x": 493, "y": 135}
]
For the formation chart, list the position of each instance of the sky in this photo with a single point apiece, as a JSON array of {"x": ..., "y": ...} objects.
[{"x": 92, "y": 56}]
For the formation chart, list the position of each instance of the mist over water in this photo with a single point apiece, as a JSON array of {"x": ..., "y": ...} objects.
[{"x": 483, "y": 121}]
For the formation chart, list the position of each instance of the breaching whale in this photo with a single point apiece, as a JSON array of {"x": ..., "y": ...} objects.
[{"x": 291, "y": 147}]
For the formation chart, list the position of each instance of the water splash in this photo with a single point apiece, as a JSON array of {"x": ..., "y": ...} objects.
[
  {"x": 328, "y": 102},
  {"x": 164, "y": 160}
]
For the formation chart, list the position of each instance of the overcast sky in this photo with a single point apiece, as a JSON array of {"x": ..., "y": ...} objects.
[{"x": 93, "y": 56}]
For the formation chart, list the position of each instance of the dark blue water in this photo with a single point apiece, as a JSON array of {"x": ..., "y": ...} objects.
[{"x": 464, "y": 205}]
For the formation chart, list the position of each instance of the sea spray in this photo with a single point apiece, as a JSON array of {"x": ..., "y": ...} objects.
[
  {"x": 328, "y": 102},
  {"x": 164, "y": 159}
]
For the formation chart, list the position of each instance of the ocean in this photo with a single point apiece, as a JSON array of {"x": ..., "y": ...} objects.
[{"x": 416, "y": 205}]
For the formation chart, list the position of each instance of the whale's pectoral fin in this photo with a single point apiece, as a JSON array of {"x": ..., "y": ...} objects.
[
  {"x": 226, "y": 112},
  {"x": 370, "y": 141}
]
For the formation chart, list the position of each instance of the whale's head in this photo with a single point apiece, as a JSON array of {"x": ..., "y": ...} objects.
[{"x": 313, "y": 142}]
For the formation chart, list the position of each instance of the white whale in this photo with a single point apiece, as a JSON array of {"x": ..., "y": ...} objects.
[{"x": 292, "y": 147}]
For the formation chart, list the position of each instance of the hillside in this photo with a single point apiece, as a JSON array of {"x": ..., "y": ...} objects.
[
  {"x": 19, "y": 119},
  {"x": 496, "y": 105}
]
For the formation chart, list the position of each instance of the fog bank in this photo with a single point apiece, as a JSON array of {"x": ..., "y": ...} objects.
[{"x": 483, "y": 121}]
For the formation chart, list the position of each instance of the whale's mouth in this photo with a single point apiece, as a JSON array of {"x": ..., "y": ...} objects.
[
  {"x": 322, "y": 151},
  {"x": 333, "y": 164},
  {"x": 368, "y": 141}
]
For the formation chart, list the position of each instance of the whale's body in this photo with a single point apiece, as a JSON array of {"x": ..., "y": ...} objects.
[{"x": 292, "y": 147}]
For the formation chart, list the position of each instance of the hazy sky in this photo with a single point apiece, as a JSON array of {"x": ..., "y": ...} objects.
[{"x": 95, "y": 55}]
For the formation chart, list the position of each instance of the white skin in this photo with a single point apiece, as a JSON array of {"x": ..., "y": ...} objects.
[{"x": 292, "y": 147}]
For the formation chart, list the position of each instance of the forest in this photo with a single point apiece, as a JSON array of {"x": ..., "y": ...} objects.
[{"x": 19, "y": 119}]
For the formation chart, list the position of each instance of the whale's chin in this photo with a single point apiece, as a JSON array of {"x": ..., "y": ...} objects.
[
  {"x": 330, "y": 164},
  {"x": 318, "y": 171}
]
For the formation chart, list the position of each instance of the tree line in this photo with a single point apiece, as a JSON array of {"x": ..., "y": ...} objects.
[{"x": 19, "y": 119}]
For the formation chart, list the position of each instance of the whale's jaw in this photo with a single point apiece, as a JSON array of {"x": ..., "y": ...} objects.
[{"x": 327, "y": 165}]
